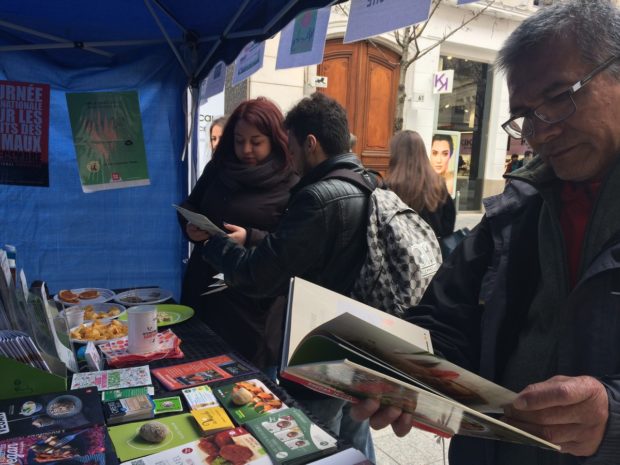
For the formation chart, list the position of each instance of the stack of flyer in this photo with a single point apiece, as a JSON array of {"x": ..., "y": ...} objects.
[{"x": 139, "y": 407}]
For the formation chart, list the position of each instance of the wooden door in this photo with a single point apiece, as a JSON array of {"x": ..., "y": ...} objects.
[{"x": 363, "y": 77}]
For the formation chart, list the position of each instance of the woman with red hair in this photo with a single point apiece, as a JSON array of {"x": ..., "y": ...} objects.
[{"x": 247, "y": 183}]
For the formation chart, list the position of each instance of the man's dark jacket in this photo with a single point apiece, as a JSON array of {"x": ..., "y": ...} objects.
[
  {"x": 480, "y": 301},
  {"x": 321, "y": 238}
]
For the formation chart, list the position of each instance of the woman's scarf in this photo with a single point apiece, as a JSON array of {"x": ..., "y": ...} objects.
[{"x": 236, "y": 175}]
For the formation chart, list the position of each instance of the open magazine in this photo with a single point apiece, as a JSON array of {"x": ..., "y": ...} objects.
[{"x": 345, "y": 349}]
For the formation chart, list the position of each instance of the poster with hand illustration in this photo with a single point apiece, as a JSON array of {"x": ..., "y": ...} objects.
[
  {"x": 444, "y": 157},
  {"x": 108, "y": 139}
]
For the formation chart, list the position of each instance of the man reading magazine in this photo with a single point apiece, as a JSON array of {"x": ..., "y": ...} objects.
[{"x": 530, "y": 299}]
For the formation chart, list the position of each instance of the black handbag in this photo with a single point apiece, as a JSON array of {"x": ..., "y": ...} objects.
[{"x": 449, "y": 243}]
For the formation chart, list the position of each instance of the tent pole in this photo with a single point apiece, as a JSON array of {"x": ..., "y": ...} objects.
[
  {"x": 170, "y": 42},
  {"x": 224, "y": 35},
  {"x": 43, "y": 35},
  {"x": 171, "y": 16},
  {"x": 275, "y": 19}
]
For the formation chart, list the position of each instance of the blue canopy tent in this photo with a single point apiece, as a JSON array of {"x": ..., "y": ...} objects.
[{"x": 125, "y": 237}]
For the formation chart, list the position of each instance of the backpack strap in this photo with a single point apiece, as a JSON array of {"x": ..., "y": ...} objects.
[{"x": 364, "y": 181}]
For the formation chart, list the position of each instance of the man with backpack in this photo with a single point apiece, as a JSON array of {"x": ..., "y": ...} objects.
[{"x": 321, "y": 237}]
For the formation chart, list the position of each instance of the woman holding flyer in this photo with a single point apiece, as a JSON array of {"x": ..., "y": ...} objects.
[{"x": 246, "y": 183}]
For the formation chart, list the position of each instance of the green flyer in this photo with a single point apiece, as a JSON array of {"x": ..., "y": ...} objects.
[
  {"x": 108, "y": 140},
  {"x": 181, "y": 429}
]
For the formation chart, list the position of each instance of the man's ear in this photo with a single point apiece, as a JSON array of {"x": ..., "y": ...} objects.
[{"x": 311, "y": 143}]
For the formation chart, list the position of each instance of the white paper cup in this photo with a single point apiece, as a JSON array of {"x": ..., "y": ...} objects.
[
  {"x": 74, "y": 316},
  {"x": 142, "y": 322}
]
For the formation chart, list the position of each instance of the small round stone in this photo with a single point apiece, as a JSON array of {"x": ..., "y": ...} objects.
[{"x": 154, "y": 431}]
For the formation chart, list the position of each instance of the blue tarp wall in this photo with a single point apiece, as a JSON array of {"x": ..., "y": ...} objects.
[
  {"x": 111, "y": 239},
  {"x": 126, "y": 237}
]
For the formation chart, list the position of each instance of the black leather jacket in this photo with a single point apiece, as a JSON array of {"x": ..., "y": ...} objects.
[{"x": 320, "y": 238}]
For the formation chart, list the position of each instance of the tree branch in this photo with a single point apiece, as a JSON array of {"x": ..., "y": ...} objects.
[{"x": 455, "y": 30}]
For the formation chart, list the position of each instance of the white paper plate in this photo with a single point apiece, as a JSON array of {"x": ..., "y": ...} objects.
[
  {"x": 101, "y": 341},
  {"x": 147, "y": 296},
  {"x": 100, "y": 308},
  {"x": 104, "y": 296}
]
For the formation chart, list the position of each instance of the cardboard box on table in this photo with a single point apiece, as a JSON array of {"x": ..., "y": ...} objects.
[{"x": 19, "y": 379}]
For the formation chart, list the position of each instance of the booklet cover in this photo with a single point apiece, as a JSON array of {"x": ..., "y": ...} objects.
[
  {"x": 50, "y": 413},
  {"x": 353, "y": 357},
  {"x": 113, "y": 379},
  {"x": 200, "y": 397},
  {"x": 246, "y": 400},
  {"x": 55, "y": 447},
  {"x": 232, "y": 447},
  {"x": 290, "y": 437},
  {"x": 129, "y": 445},
  {"x": 212, "y": 420},
  {"x": 202, "y": 371}
]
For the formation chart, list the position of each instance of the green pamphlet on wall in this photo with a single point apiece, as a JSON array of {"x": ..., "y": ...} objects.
[{"x": 108, "y": 140}]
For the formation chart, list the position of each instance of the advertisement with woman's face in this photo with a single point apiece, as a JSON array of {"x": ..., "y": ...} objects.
[{"x": 444, "y": 155}]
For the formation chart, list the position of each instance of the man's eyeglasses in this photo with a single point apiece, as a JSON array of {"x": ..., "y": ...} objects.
[{"x": 554, "y": 110}]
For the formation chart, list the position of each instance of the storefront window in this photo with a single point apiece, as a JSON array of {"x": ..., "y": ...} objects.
[{"x": 461, "y": 112}]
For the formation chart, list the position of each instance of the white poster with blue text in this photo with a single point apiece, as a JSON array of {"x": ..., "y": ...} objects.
[
  {"x": 248, "y": 62},
  {"x": 369, "y": 18},
  {"x": 214, "y": 82},
  {"x": 302, "y": 41}
]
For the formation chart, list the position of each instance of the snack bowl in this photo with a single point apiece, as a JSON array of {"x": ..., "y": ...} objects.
[
  {"x": 99, "y": 332},
  {"x": 101, "y": 311}
]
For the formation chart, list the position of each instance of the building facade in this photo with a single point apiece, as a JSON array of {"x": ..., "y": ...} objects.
[{"x": 364, "y": 76}]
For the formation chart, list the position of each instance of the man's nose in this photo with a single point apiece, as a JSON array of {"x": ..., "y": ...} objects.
[{"x": 544, "y": 132}]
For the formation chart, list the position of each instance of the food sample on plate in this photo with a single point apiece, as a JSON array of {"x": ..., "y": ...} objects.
[
  {"x": 99, "y": 331},
  {"x": 91, "y": 314},
  {"x": 163, "y": 317},
  {"x": 89, "y": 294},
  {"x": 68, "y": 296}
]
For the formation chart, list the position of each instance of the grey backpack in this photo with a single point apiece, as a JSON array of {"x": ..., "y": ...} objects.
[{"x": 403, "y": 252}]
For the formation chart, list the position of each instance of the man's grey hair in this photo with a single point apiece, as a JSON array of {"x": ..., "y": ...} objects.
[{"x": 593, "y": 24}]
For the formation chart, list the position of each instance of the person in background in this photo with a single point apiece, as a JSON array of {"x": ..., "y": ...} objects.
[
  {"x": 215, "y": 132},
  {"x": 540, "y": 316},
  {"x": 514, "y": 164},
  {"x": 247, "y": 182},
  {"x": 412, "y": 178},
  {"x": 352, "y": 142},
  {"x": 527, "y": 157},
  {"x": 321, "y": 238},
  {"x": 442, "y": 149}
]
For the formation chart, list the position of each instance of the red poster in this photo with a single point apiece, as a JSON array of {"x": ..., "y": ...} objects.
[{"x": 24, "y": 133}]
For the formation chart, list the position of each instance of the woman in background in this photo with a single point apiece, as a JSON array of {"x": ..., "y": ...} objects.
[
  {"x": 215, "y": 132},
  {"x": 413, "y": 179},
  {"x": 247, "y": 183}
]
